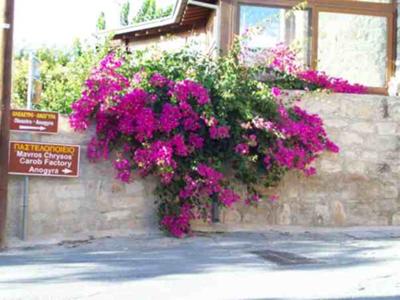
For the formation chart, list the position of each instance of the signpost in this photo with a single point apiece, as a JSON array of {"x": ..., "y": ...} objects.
[
  {"x": 34, "y": 121},
  {"x": 34, "y": 74},
  {"x": 38, "y": 159},
  {"x": 27, "y": 158}
]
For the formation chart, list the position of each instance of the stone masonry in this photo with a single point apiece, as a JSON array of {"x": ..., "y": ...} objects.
[
  {"x": 359, "y": 186},
  {"x": 93, "y": 204}
]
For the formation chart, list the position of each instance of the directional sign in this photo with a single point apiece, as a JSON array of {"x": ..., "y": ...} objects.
[
  {"x": 37, "y": 159},
  {"x": 34, "y": 121}
]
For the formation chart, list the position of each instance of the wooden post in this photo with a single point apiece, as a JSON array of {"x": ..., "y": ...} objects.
[{"x": 7, "y": 7}]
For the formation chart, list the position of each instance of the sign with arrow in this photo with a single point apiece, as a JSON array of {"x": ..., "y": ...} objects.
[
  {"x": 39, "y": 159},
  {"x": 34, "y": 121}
]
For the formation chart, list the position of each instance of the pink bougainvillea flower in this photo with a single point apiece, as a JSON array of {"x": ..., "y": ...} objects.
[
  {"x": 196, "y": 141},
  {"x": 261, "y": 123},
  {"x": 137, "y": 77},
  {"x": 209, "y": 173},
  {"x": 228, "y": 197},
  {"x": 170, "y": 117},
  {"x": 211, "y": 180},
  {"x": 178, "y": 225},
  {"x": 187, "y": 88},
  {"x": 97, "y": 149},
  {"x": 274, "y": 198},
  {"x": 123, "y": 166},
  {"x": 145, "y": 124},
  {"x": 332, "y": 147},
  {"x": 242, "y": 149},
  {"x": 252, "y": 140},
  {"x": 191, "y": 121},
  {"x": 104, "y": 83},
  {"x": 267, "y": 162},
  {"x": 310, "y": 171},
  {"x": 190, "y": 188},
  {"x": 210, "y": 122},
  {"x": 252, "y": 199},
  {"x": 337, "y": 85},
  {"x": 178, "y": 143},
  {"x": 167, "y": 177},
  {"x": 219, "y": 132},
  {"x": 276, "y": 92},
  {"x": 157, "y": 80}
]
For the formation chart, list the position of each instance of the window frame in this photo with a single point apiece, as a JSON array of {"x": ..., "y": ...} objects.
[{"x": 387, "y": 10}]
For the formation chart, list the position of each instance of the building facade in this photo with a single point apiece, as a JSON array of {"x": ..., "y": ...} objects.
[{"x": 355, "y": 40}]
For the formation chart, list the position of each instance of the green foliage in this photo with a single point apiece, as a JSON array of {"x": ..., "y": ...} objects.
[
  {"x": 146, "y": 12},
  {"x": 62, "y": 75},
  {"x": 124, "y": 14},
  {"x": 149, "y": 11},
  {"x": 298, "y": 7},
  {"x": 236, "y": 92},
  {"x": 101, "y": 21},
  {"x": 284, "y": 80},
  {"x": 167, "y": 11}
]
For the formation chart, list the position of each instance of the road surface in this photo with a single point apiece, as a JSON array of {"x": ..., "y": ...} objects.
[{"x": 318, "y": 264}]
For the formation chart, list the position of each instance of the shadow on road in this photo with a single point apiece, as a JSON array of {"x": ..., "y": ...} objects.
[{"x": 132, "y": 259}]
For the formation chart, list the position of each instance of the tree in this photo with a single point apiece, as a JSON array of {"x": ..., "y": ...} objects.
[
  {"x": 166, "y": 11},
  {"x": 101, "y": 21},
  {"x": 62, "y": 74},
  {"x": 149, "y": 11},
  {"x": 124, "y": 14}
]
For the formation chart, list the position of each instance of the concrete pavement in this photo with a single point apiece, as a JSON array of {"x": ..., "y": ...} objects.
[{"x": 284, "y": 264}]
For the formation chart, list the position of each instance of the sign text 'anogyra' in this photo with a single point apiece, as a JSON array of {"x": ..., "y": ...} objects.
[{"x": 34, "y": 121}]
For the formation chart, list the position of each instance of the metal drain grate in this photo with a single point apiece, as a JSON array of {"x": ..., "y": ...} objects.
[{"x": 284, "y": 258}]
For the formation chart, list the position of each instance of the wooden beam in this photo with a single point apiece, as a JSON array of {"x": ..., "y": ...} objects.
[{"x": 5, "y": 101}]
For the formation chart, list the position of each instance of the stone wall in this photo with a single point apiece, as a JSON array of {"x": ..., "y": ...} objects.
[
  {"x": 360, "y": 186},
  {"x": 93, "y": 204}
]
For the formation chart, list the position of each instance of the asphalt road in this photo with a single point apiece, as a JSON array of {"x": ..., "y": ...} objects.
[{"x": 351, "y": 264}]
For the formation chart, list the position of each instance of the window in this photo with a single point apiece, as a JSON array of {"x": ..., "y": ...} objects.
[
  {"x": 353, "y": 47},
  {"x": 276, "y": 25},
  {"x": 349, "y": 38}
]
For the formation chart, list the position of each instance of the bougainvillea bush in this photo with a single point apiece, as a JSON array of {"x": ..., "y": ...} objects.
[{"x": 198, "y": 124}]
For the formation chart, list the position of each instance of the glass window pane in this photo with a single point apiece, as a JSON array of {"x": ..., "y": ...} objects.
[
  {"x": 353, "y": 47},
  {"x": 276, "y": 25}
]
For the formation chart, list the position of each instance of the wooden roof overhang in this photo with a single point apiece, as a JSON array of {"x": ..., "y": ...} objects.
[{"x": 186, "y": 17}]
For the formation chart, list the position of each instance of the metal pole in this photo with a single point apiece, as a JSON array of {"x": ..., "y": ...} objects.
[
  {"x": 215, "y": 211},
  {"x": 25, "y": 208},
  {"x": 25, "y": 201},
  {"x": 30, "y": 82},
  {"x": 5, "y": 102}
]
